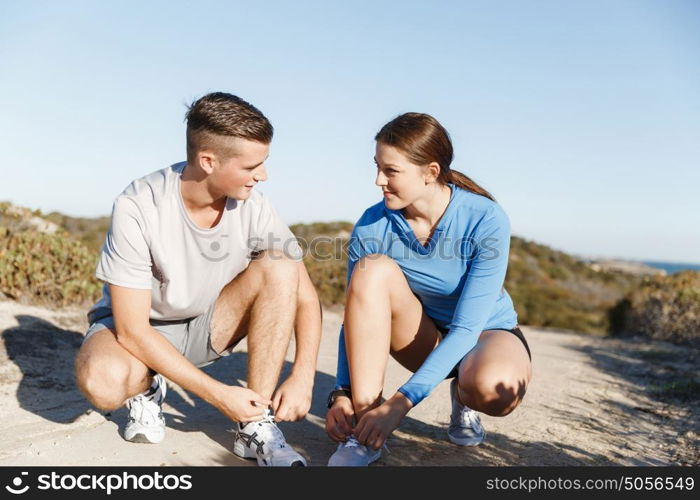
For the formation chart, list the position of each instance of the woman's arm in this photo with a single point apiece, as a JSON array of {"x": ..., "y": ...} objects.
[
  {"x": 482, "y": 287},
  {"x": 481, "y": 290}
]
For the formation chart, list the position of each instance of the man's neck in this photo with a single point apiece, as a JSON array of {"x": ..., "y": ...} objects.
[{"x": 195, "y": 192}]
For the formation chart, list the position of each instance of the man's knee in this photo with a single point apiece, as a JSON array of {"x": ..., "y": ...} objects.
[
  {"x": 275, "y": 267},
  {"x": 102, "y": 381}
]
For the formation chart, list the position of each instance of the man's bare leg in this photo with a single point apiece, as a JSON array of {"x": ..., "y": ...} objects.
[
  {"x": 260, "y": 304},
  {"x": 107, "y": 374}
]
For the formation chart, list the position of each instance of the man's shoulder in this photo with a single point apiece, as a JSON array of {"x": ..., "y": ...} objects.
[
  {"x": 153, "y": 181},
  {"x": 256, "y": 200},
  {"x": 256, "y": 205},
  {"x": 150, "y": 189}
]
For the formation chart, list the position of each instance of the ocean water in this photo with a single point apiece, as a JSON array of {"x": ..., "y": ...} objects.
[{"x": 672, "y": 267}]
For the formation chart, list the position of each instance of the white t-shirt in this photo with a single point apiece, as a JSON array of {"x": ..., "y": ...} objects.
[{"x": 153, "y": 244}]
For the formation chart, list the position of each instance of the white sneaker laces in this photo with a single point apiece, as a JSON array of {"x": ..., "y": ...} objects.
[
  {"x": 470, "y": 419},
  {"x": 268, "y": 430},
  {"x": 352, "y": 442},
  {"x": 143, "y": 410}
]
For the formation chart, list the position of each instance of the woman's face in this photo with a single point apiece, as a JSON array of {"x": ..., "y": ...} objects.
[{"x": 401, "y": 181}]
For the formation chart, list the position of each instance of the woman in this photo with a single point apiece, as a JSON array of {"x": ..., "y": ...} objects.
[{"x": 425, "y": 284}]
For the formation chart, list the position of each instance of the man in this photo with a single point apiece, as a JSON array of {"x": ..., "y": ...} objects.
[{"x": 194, "y": 261}]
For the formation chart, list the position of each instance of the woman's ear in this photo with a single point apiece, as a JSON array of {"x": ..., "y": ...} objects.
[{"x": 432, "y": 172}]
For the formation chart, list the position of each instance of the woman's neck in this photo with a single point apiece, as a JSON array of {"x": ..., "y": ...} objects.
[{"x": 430, "y": 209}]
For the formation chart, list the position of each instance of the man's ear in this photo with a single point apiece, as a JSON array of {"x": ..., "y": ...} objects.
[
  {"x": 207, "y": 161},
  {"x": 432, "y": 172}
]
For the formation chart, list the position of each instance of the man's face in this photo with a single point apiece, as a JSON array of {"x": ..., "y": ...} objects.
[{"x": 236, "y": 175}]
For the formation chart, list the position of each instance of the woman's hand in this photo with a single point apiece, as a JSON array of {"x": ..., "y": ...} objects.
[
  {"x": 339, "y": 419},
  {"x": 376, "y": 425}
]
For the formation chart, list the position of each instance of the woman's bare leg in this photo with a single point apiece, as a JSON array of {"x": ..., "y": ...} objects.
[
  {"x": 382, "y": 315},
  {"x": 494, "y": 376}
]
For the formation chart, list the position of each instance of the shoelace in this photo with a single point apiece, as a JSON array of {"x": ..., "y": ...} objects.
[
  {"x": 268, "y": 430},
  {"x": 352, "y": 442},
  {"x": 144, "y": 410},
  {"x": 469, "y": 418}
]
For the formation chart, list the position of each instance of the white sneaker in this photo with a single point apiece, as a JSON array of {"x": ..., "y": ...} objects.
[
  {"x": 353, "y": 454},
  {"x": 264, "y": 441},
  {"x": 146, "y": 423},
  {"x": 465, "y": 425}
]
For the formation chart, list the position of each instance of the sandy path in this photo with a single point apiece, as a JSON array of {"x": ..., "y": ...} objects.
[{"x": 590, "y": 402}]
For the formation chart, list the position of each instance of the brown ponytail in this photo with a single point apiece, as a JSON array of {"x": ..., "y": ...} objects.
[
  {"x": 423, "y": 140},
  {"x": 461, "y": 180}
]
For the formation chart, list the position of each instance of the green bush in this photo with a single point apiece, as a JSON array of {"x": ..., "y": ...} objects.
[
  {"x": 90, "y": 231},
  {"x": 324, "y": 245},
  {"x": 46, "y": 268},
  {"x": 549, "y": 288},
  {"x": 662, "y": 307},
  {"x": 553, "y": 289}
]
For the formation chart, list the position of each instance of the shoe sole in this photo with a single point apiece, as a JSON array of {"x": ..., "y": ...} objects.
[
  {"x": 242, "y": 451},
  {"x": 142, "y": 438},
  {"x": 376, "y": 457},
  {"x": 368, "y": 463},
  {"x": 466, "y": 441}
]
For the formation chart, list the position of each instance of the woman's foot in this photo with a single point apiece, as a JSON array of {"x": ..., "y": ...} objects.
[
  {"x": 353, "y": 454},
  {"x": 465, "y": 425}
]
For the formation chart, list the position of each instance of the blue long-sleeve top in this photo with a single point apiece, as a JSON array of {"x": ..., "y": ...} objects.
[{"x": 458, "y": 277}]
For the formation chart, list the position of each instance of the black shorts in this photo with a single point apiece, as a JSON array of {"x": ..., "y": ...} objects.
[{"x": 515, "y": 331}]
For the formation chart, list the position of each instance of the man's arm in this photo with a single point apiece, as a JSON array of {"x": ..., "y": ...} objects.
[
  {"x": 131, "y": 309},
  {"x": 292, "y": 400},
  {"x": 307, "y": 327}
]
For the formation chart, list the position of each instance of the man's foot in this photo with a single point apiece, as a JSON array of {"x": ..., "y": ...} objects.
[
  {"x": 465, "y": 425},
  {"x": 146, "y": 423},
  {"x": 264, "y": 441},
  {"x": 353, "y": 454}
]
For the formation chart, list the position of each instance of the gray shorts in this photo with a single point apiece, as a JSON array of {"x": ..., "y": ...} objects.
[{"x": 192, "y": 337}]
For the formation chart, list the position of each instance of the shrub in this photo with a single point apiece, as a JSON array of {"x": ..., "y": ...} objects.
[
  {"x": 662, "y": 307},
  {"x": 46, "y": 268}
]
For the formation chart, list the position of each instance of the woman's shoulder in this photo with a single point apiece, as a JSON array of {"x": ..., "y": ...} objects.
[
  {"x": 479, "y": 206},
  {"x": 374, "y": 217}
]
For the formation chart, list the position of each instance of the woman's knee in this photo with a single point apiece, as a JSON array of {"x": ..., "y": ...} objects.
[
  {"x": 373, "y": 271},
  {"x": 364, "y": 402},
  {"x": 492, "y": 392}
]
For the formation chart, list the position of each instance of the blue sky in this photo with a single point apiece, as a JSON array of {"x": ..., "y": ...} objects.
[{"x": 582, "y": 118}]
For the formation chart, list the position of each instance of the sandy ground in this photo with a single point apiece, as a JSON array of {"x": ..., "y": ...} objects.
[{"x": 592, "y": 401}]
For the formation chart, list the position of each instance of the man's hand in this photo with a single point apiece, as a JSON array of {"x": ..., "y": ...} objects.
[
  {"x": 241, "y": 404},
  {"x": 292, "y": 400},
  {"x": 339, "y": 419},
  {"x": 376, "y": 425}
]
